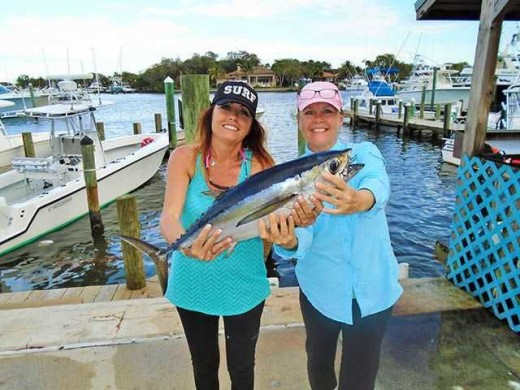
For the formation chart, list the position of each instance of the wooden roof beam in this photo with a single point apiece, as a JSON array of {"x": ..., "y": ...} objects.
[
  {"x": 500, "y": 9},
  {"x": 483, "y": 79}
]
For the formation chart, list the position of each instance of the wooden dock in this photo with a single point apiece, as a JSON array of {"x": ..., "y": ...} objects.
[
  {"x": 75, "y": 295},
  {"x": 422, "y": 295},
  {"x": 413, "y": 125}
]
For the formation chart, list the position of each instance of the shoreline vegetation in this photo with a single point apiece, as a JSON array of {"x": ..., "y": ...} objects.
[{"x": 287, "y": 74}]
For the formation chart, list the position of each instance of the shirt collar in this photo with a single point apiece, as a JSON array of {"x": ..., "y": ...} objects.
[{"x": 337, "y": 146}]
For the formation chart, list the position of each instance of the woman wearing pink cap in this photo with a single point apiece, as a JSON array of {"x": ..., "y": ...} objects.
[{"x": 346, "y": 268}]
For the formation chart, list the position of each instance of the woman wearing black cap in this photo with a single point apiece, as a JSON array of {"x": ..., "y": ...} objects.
[{"x": 213, "y": 279}]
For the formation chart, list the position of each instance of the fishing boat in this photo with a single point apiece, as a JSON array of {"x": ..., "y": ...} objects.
[
  {"x": 43, "y": 194},
  {"x": 379, "y": 89},
  {"x": 443, "y": 84},
  {"x": 356, "y": 83},
  {"x": 65, "y": 92}
]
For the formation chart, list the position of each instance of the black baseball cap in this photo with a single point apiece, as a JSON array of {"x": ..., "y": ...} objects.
[{"x": 237, "y": 92}]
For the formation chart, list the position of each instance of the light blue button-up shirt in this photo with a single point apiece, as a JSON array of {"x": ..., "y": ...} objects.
[{"x": 340, "y": 257}]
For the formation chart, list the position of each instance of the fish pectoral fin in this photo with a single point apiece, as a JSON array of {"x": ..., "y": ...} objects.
[{"x": 266, "y": 209}]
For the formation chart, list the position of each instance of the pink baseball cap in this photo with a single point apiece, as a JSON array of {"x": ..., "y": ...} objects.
[{"x": 319, "y": 91}]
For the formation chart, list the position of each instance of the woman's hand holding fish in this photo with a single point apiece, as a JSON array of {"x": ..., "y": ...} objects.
[
  {"x": 305, "y": 215},
  {"x": 280, "y": 230},
  {"x": 346, "y": 199},
  {"x": 206, "y": 247}
]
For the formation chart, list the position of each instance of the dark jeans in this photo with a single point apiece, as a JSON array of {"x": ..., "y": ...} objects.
[
  {"x": 241, "y": 335},
  {"x": 360, "y": 351}
]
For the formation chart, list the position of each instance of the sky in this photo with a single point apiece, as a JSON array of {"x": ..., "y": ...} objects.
[{"x": 51, "y": 37}]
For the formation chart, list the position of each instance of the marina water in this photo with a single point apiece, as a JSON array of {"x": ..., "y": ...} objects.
[{"x": 419, "y": 212}]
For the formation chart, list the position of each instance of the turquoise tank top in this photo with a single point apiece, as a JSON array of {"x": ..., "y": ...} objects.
[{"x": 227, "y": 285}]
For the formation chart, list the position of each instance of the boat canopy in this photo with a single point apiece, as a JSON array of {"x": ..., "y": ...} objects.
[
  {"x": 382, "y": 71},
  {"x": 380, "y": 88}
]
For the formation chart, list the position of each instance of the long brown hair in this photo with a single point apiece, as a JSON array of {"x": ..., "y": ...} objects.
[{"x": 255, "y": 140}]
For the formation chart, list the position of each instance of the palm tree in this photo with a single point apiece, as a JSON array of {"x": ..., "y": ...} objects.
[{"x": 215, "y": 73}]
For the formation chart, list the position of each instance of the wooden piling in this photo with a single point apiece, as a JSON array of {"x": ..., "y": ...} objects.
[
  {"x": 400, "y": 109},
  {"x": 437, "y": 112},
  {"x": 378, "y": 113},
  {"x": 434, "y": 86},
  {"x": 137, "y": 128},
  {"x": 356, "y": 107},
  {"x": 195, "y": 98},
  {"x": 127, "y": 216},
  {"x": 28, "y": 144},
  {"x": 172, "y": 135},
  {"x": 169, "y": 92},
  {"x": 371, "y": 102},
  {"x": 405, "y": 118},
  {"x": 158, "y": 123},
  {"x": 447, "y": 120},
  {"x": 89, "y": 173},
  {"x": 423, "y": 98},
  {"x": 411, "y": 110},
  {"x": 100, "y": 128}
]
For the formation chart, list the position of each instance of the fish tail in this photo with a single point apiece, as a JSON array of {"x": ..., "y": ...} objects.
[{"x": 158, "y": 256}]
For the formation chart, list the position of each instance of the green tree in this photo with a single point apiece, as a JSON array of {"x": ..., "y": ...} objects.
[
  {"x": 23, "y": 81},
  {"x": 315, "y": 69},
  {"x": 347, "y": 70},
  {"x": 152, "y": 79},
  {"x": 215, "y": 73},
  {"x": 288, "y": 71},
  {"x": 198, "y": 64}
]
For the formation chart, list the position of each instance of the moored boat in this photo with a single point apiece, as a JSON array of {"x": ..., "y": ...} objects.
[{"x": 43, "y": 194}]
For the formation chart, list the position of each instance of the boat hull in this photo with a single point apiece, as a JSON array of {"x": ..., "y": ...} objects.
[{"x": 442, "y": 96}]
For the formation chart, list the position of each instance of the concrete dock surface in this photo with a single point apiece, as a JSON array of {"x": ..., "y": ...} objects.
[{"x": 438, "y": 338}]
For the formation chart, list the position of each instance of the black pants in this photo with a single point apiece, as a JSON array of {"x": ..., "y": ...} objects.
[
  {"x": 360, "y": 351},
  {"x": 241, "y": 335}
]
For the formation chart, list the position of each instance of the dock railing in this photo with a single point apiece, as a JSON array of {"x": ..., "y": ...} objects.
[{"x": 484, "y": 256}]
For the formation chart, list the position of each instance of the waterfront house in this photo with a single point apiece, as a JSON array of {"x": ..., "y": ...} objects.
[{"x": 260, "y": 76}]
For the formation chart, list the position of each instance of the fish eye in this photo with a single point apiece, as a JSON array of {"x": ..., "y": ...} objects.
[{"x": 334, "y": 166}]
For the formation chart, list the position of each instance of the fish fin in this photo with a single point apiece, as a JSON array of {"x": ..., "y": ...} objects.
[
  {"x": 158, "y": 256},
  {"x": 266, "y": 209}
]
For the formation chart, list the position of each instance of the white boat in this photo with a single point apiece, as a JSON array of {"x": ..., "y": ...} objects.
[
  {"x": 356, "y": 83},
  {"x": 450, "y": 86},
  {"x": 507, "y": 69},
  {"x": 21, "y": 100},
  {"x": 11, "y": 145},
  {"x": 389, "y": 104},
  {"x": 259, "y": 112},
  {"x": 378, "y": 90},
  {"x": 40, "y": 195},
  {"x": 503, "y": 133}
]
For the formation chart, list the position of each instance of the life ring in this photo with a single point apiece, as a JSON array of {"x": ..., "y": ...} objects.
[{"x": 146, "y": 141}]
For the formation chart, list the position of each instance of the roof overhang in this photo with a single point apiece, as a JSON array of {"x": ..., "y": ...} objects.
[{"x": 459, "y": 10}]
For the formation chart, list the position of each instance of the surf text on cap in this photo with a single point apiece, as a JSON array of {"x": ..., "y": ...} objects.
[{"x": 240, "y": 91}]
